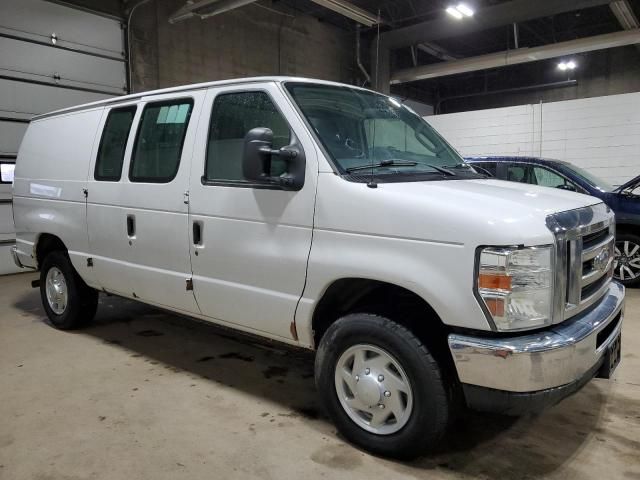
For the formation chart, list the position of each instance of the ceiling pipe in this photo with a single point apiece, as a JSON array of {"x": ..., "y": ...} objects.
[
  {"x": 129, "y": 38},
  {"x": 350, "y": 11},
  {"x": 206, "y": 8},
  {"x": 436, "y": 51},
  {"x": 514, "y": 57},
  {"x": 624, "y": 13},
  {"x": 359, "y": 58}
]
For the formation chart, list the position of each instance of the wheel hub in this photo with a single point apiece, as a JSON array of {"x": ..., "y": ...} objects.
[
  {"x": 373, "y": 389},
  {"x": 56, "y": 290},
  {"x": 369, "y": 390}
]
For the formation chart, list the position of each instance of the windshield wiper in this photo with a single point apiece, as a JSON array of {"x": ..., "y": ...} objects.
[
  {"x": 399, "y": 163},
  {"x": 383, "y": 163}
]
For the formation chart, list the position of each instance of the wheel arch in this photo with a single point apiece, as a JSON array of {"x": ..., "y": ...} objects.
[
  {"x": 364, "y": 295},
  {"x": 46, "y": 243}
]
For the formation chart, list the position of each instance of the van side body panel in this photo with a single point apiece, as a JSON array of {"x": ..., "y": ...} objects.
[
  {"x": 50, "y": 180},
  {"x": 152, "y": 262}
]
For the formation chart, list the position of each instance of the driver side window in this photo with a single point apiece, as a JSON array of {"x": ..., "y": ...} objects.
[{"x": 232, "y": 116}]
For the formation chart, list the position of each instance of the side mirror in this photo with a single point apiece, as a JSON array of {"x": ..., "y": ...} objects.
[
  {"x": 256, "y": 160},
  {"x": 567, "y": 187}
]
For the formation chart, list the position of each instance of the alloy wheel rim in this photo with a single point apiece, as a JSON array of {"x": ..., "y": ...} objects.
[
  {"x": 56, "y": 290},
  {"x": 626, "y": 260},
  {"x": 373, "y": 389}
]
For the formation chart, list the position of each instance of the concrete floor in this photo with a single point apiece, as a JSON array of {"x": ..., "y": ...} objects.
[{"x": 146, "y": 395}]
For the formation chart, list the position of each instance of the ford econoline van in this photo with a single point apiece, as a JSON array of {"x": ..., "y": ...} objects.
[{"x": 331, "y": 218}]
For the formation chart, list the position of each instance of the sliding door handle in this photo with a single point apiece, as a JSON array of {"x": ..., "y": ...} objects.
[
  {"x": 197, "y": 234},
  {"x": 131, "y": 226}
]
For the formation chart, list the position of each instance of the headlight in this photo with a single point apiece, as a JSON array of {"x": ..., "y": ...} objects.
[{"x": 516, "y": 286}]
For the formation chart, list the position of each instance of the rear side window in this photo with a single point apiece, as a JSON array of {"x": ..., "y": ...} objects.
[
  {"x": 158, "y": 147},
  {"x": 113, "y": 143},
  {"x": 6, "y": 172},
  {"x": 232, "y": 116}
]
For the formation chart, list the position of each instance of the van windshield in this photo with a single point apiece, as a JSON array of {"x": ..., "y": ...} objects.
[{"x": 360, "y": 128}]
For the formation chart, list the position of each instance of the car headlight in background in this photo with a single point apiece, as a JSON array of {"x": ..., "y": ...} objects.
[{"x": 516, "y": 286}]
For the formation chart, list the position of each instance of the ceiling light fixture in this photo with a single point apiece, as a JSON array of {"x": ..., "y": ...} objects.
[
  {"x": 570, "y": 65},
  {"x": 460, "y": 11},
  {"x": 454, "y": 13},
  {"x": 465, "y": 10}
]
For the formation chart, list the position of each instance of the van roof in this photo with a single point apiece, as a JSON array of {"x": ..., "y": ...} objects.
[{"x": 185, "y": 88}]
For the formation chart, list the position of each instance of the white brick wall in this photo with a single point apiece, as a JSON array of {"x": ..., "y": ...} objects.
[{"x": 601, "y": 134}]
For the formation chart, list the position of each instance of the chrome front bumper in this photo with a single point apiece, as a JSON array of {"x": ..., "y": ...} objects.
[{"x": 559, "y": 356}]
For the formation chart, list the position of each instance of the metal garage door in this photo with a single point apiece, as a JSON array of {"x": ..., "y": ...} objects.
[{"x": 51, "y": 56}]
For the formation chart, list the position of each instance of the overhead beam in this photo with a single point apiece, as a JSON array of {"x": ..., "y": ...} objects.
[
  {"x": 521, "y": 55},
  {"x": 490, "y": 17}
]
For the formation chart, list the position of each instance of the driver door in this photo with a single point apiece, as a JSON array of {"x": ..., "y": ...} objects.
[{"x": 249, "y": 243}]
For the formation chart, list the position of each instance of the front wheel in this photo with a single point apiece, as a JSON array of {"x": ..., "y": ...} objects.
[
  {"x": 67, "y": 300},
  {"x": 381, "y": 386},
  {"x": 626, "y": 268}
]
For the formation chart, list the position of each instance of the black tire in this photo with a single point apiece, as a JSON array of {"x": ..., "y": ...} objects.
[
  {"x": 432, "y": 407},
  {"x": 621, "y": 238},
  {"x": 82, "y": 300}
]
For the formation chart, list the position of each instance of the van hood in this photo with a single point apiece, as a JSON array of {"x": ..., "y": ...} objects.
[{"x": 472, "y": 212}]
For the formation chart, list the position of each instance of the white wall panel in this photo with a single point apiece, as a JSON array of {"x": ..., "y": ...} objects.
[
  {"x": 10, "y": 135},
  {"x": 601, "y": 134}
]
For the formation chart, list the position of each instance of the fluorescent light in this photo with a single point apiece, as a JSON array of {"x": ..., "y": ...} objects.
[
  {"x": 562, "y": 66},
  {"x": 571, "y": 65},
  {"x": 465, "y": 10},
  {"x": 454, "y": 13}
]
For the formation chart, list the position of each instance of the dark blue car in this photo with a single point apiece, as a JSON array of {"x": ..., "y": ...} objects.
[{"x": 623, "y": 200}]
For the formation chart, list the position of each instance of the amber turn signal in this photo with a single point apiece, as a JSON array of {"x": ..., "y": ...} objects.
[{"x": 494, "y": 281}]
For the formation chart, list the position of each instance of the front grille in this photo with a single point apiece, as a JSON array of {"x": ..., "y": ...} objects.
[
  {"x": 591, "y": 239},
  {"x": 584, "y": 258}
]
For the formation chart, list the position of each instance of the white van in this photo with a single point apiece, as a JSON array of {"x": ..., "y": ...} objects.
[{"x": 332, "y": 218}]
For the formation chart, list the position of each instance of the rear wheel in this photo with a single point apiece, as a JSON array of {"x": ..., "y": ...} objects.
[
  {"x": 381, "y": 386},
  {"x": 626, "y": 267},
  {"x": 67, "y": 300}
]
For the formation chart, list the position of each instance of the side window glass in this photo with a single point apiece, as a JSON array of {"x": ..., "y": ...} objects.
[
  {"x": 113, "y": 143},
  {"x": 547, "y": 178},
  {"x": 232, "y": 116},
  {"x": 158, "y": 147},
  {"x": 517, "y": 173},
  {"x": 6, "y": 172}
]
